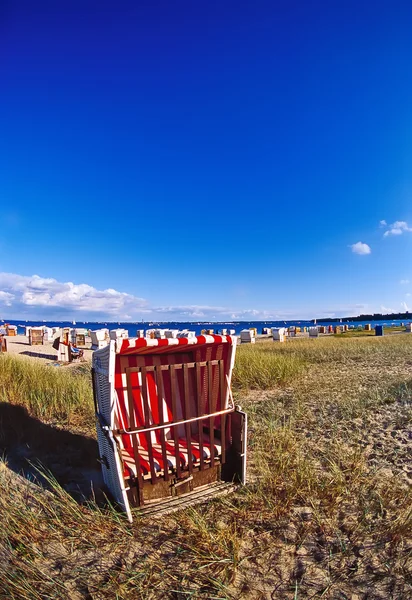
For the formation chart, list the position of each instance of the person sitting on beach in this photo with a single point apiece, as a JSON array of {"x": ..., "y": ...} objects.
[{"x": 75, "y": 352}]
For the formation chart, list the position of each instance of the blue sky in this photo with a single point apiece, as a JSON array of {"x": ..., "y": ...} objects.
[{"x": 205, "y": 160}]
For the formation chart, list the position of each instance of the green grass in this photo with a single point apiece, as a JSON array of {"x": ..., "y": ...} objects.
[
  {"x": 49, "y": 393},
  {"x": 261, "y": 366}
]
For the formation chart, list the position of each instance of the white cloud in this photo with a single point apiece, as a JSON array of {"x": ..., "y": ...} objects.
[
  {"x": 408, "y": 295},
  {"x": 38, "y": 297},
  {"x": 386, "y": 309},
  {"x": 404, "y": 281},
  {"x": 397, "y": 228},
  {"x": 404, "y": 306},
  {"x": 360, "y": 248},
  {"x": 23, "y": 292},
  {"x": 382, "y": 223},
  {"x": 6, "y": 298}
]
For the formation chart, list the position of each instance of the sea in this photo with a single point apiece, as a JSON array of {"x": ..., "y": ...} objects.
[{"x": 195, "y": 326}]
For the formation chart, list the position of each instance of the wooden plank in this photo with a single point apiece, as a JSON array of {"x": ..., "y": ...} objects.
[
  {"x": 197, "y": 496},
  {"x": 160, "y": 394},
  {"x": 222, "y": 382},
  {"x": 187, "y": 416},
  {"x": 211, "y": 409},
  {"x": 147, "y": 422},
  {"x": 173, "y": 383},
  {"x": 199, "y": 412},
  {"x": 135, "y": 441}
]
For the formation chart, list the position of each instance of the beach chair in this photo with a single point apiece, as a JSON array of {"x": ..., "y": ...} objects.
[
  {"x": 36, "y": 336},
  {"x": 171, "y": 333},
  {"x": 169, "y": 434},
  {"x": 247, "y": 336},
  {"x": 99, "y": 338},
  {"x": 66, "y": 352},
  {"x": 278, "y": 334},
  {"x": 118, "y": 333},
  {"x": 185, "y": 333},
  {"x": 3, "y": 343}
]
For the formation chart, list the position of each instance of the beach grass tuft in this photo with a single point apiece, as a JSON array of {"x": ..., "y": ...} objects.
[
  {"x": 261, "y": 366},
  {"x": 47, "y": 392}
]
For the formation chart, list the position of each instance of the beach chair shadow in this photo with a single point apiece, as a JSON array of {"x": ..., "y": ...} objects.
[
  {"x": 39, "y": 355},
  {"x": 71, "y": 458}
]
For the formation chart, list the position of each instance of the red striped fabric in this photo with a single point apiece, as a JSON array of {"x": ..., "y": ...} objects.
[
  {"x": 133, "y": 354},
  {"x": 146, "y": 346}
]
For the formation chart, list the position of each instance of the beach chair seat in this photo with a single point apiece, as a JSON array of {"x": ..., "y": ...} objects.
[
  {"x": 166, "y": 421},
  {"x": 130, "y": 468}
]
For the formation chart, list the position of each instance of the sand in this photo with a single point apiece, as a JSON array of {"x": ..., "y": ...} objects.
[{"x": 19, "y": 345}]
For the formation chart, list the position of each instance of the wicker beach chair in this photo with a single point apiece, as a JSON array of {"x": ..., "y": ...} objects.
[
  {"x": 169, "y": 434},
  {"x": 36, "y": 336},
  {"x": 99, "y": 338},
  {"x": 116, "y": 334},
  {"x": 247, "y": 336}
]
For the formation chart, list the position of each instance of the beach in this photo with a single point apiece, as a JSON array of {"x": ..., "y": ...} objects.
[
  {"x": 326, "y": 507},
  {"x": 45, "y": 353}
]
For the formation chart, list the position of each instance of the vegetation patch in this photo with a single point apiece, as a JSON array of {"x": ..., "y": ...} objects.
[{"x": 326, "y": 512}]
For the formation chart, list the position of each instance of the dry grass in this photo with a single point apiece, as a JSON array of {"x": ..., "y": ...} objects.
[{"x": 326, "y": 513}]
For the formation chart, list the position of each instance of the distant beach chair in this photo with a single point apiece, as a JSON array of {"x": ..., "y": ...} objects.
[
  {"x": 116, "y": 334},
  {"x": 11, "y": 330},
  {"x": 247, "y": 336},
  {"x": 313, "y": 332},
  {"x": 171, "y": 333},
  {"x": 186, "y": 334},
  {"x": 66, "y": 352},
  {"x": 169, "y": 434},
  {"x": 36, "y": 336},
  {"x": 278, "y": 334},
  {"x": 99, "y": 338}
]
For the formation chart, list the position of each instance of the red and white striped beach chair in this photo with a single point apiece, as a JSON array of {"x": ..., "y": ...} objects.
[{"x": 169, "y": 434}]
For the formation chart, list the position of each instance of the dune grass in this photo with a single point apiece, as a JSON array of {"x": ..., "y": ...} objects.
[
  {"x": 261, "y": 367},
  {"x": 49, "y": 393},
  {"x": 326, "y": 512}
]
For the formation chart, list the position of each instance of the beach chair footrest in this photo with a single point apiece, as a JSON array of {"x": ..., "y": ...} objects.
[{"x": 199, "y": 495}]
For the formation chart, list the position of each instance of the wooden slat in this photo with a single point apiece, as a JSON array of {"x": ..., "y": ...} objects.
[
  {"x": 222, "y": 382},
  {"x": 199, "y": 412},
  {"x": 187, "y": 416},
  {"x": 175, "y": 435},
  {"x": 135, "y": 442},
  {"x": 147, "y": 423},
  {"x": 160, "y": 394},
  {"x": 176, "y": 366},
  {"x": 211, "y": 405}
]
